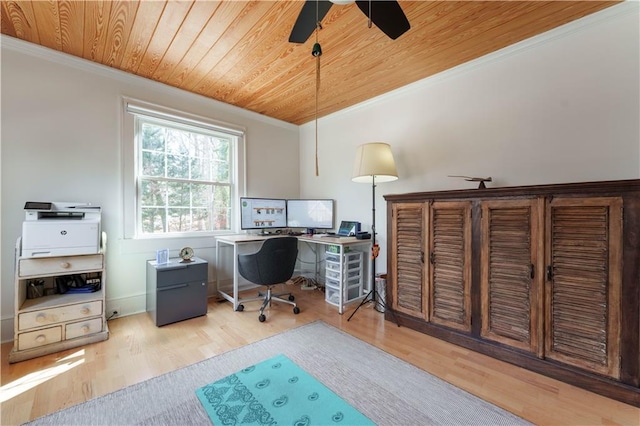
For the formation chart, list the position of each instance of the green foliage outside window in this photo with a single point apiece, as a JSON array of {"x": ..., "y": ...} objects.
[{"x": 184, "y": 178}]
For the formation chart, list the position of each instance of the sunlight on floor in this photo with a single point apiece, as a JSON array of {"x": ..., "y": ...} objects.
[{"x": 32, "y": 380}]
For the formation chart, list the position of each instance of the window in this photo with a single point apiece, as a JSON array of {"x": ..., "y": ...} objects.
[{"x": 184, "y": 174}]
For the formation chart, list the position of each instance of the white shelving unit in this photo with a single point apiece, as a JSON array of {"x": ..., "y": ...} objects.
[
  {"x": 54, "y": 322},
  {"x": 343, "y": 277}
]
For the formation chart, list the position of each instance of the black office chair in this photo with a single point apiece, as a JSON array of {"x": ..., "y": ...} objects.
[{"x": 272, "y": 264}]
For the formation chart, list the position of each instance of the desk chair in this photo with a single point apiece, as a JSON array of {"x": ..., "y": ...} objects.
[{"x": 272, "y": 264}]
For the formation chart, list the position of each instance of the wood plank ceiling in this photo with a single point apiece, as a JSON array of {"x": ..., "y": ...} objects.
[{"x": 238, "y": 51}]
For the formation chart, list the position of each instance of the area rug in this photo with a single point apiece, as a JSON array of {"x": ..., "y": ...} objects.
[
  {"x": 275, "y": 392},
  {"x": 384, "y": 388}
]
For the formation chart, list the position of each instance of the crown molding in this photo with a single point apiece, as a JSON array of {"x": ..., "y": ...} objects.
[
  {"x": 629, "y": 7},
  {"x": 65, "y": 59}
]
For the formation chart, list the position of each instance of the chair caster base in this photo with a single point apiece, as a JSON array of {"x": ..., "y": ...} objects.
[
  {"x": 262, "y": 318},
  {"x": 240, "y": 308},
  {"x": 296, "y": 310}
]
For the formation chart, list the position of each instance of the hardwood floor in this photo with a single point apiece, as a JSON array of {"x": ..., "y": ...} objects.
[{"x": 137, "y": 350}]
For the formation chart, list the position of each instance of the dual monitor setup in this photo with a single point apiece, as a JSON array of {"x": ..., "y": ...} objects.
[{"x": 273, "y": 214}]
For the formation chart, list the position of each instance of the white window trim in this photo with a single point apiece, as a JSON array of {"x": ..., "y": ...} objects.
[{"x": 132, "y": 106}]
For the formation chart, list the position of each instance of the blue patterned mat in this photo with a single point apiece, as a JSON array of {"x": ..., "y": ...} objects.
[{"x": 276, "y": 391}]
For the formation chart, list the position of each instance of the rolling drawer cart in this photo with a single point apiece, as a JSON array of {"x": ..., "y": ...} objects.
[{"x": 343, "y": 283}]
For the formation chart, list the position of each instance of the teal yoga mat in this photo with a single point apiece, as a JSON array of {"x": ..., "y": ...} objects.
[{"x": 276, "y": 392}]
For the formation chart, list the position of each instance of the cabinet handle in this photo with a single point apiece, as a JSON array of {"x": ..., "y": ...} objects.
[
  {"x": 41, "y": 338},
  {"x": 549, "y": 273},
  {"x": 85, "y": 329},
  {"x": 65, "y": 265},
  {"x": 172, "y": 287},
  {"x": 85, "y": 311},
  {"x": 422, "y": 257},
  {"x": 532, "y": 272},
  {"x": 41, "y": 318},
  {"x": 432, "y": 258}
]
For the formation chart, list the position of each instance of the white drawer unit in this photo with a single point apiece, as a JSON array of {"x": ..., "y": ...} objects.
[
  {"x": 54, "y": 311},
  {"x": 343, "y": 277},
  {"x": 42, "y": 266},
  {"x": 39, "y": 338},
  {"x": 67, "y": 313},
  {"x": 83, "y": 328}
]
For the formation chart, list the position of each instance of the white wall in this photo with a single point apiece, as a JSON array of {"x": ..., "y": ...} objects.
[
  {"x": 61, "y": 124},
  {"x": 561, "y": 107}
]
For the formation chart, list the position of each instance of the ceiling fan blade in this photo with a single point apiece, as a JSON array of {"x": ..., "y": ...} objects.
[
  {"x": 387, "y": 15},
  {"x": 308, "y": 18}
]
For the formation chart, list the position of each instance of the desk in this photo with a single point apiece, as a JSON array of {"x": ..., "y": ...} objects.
[{"x": 235, "y": 241}]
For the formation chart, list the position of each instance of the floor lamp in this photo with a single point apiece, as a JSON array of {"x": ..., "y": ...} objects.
[{"x": 374, "y": 164}]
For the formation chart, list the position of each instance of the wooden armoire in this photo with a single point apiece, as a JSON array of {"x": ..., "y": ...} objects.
[{"x": 546, "y": 277}]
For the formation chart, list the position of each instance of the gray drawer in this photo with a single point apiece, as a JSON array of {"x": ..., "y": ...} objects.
[{"x": 180, "y": 273}]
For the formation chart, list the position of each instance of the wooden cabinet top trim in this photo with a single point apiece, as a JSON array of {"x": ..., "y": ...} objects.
[{"x": 617, "y": 187}]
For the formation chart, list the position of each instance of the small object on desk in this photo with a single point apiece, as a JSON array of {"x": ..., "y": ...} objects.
[
  {"x": 162, "y": 256},
  {"x": 186, "y": 254},
  {"x": 363, "y": 236}
]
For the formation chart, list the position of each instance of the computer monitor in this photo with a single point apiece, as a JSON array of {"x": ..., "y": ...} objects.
[
  {"x": 310, "y": 214},
  {"x": 262, "y": 213}
]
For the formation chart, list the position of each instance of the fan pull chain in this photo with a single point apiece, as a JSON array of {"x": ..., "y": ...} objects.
[
  {"x": 317, "y": 96},
  {"x": 317, "y": 52}
]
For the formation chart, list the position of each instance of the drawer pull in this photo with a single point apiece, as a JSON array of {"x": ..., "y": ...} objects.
[
  {"x": 41, "y": 318},
  {"x": 65, "y": 265},
  {"x": 41, "y": 338},
  {"x": 85, "y": 311},
  {"x": 85, "y": 329}
]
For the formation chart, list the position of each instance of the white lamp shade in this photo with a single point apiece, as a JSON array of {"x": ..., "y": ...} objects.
[{"x": 374, "y": 159}]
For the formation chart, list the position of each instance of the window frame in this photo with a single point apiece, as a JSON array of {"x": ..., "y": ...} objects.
[{"x": 131, "y": 217}]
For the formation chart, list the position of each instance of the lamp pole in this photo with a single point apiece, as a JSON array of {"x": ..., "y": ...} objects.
[
  {"x": 373, "y": 295},
  {"x": 374, "y": 252}
]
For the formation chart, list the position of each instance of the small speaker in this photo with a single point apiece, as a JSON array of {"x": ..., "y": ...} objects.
[{"x": 363, "y": 235}]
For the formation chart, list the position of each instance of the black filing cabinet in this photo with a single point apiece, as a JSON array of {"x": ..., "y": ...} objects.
[{"x": 176, "y": 290}]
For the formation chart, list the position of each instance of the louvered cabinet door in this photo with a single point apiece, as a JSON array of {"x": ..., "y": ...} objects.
[
  {"x": 408, "y": 267},
  {"x": 511, "y": 271},
  {"x": 450, "y": 264},
  {"x": 583, "y": 281}
]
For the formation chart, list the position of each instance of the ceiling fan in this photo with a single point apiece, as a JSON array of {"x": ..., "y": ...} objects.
[{"x": 387, "y": 15}]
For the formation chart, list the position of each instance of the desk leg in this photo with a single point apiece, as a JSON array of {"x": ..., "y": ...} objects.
[
  {"x": 342, "y": 280},
  {"x": 217, "y": 267},
  {"x": 318, "y": 255},
  {"x": 235, "y": 278},
  {"x": 233, "y": 298}
]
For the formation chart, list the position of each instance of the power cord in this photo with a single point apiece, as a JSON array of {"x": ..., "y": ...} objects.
[{"x": 307, "y": 283}]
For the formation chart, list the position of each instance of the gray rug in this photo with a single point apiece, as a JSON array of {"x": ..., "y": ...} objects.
[{"x": 386, "y": 389}]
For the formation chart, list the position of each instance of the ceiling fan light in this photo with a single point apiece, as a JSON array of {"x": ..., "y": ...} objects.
[{"x": 342, "y": 2}]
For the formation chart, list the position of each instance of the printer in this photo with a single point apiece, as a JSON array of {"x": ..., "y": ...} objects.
[{"x": 60, "y": 229}]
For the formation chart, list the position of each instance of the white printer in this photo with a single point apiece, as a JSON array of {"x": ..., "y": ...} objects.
[{"x": 60, "y": 229}]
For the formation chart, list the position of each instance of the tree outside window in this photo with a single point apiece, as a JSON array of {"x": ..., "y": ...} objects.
[{"x": 184, "y": 181}]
